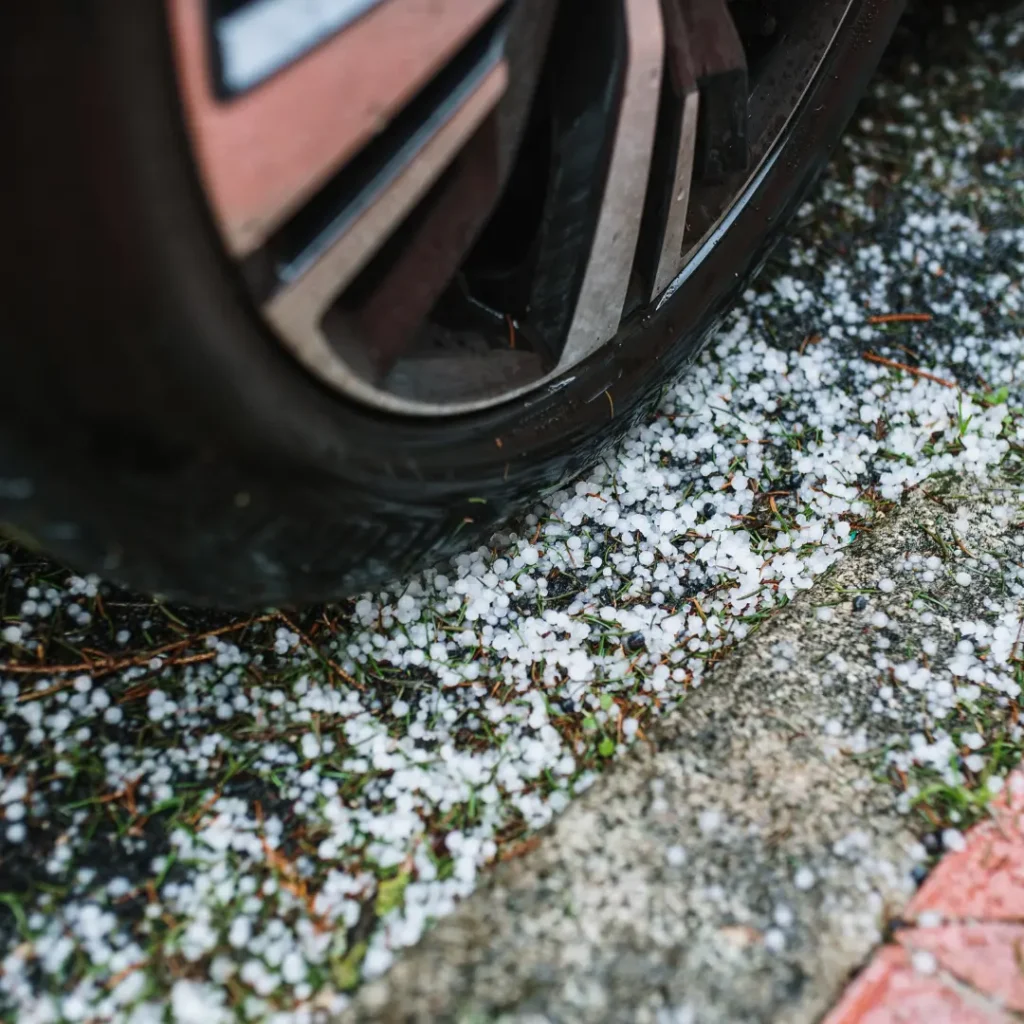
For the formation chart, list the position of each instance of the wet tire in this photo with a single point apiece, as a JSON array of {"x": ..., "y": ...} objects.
[{"x": 153, "y": 430}]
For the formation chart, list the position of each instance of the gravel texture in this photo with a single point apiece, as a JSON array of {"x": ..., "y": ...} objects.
[{"x": 213, "y": 819}]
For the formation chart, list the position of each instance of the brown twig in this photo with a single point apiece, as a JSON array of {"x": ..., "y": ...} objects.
[
  {"x": 811, "y": 339},
  {"x": 520, "y": 849},
  {"x": 330, "y": 662},
  {"x": 881, "y": 360},
  {"x": 107, "y": 666},
  {"x": 289, "y": 878},
  {"x": 900, "y": 318},
  {"x": 121, "y": 975}
]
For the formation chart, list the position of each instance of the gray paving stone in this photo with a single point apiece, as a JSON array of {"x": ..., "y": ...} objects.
[{"x": 743, "y": 862}]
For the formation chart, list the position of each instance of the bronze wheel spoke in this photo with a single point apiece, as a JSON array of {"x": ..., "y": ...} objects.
[
  {"x": 298, "y": 309},
  {"x": 265, "y": 152}
]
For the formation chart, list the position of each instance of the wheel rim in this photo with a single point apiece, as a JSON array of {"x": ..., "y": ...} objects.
[{"x": 502, "y": 192}]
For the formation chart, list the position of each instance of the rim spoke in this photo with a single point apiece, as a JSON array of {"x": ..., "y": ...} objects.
[
  {"x": 298, "y": 309},
  {"x": 721, "y": 66},
  {"x": 602, "y": 294},
  {"x": 775, "y": 92},
  {"x": 259, "y": 37},
  {"x": 660, "y": 251},
  {"x": 387, "y": 320},
  {"x": 264, "y": 153}
]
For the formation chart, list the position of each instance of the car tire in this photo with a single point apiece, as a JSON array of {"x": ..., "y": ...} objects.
[{"x": 155, "y": 431}]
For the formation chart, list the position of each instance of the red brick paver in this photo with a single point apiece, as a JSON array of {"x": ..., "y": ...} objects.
[
  {"x": 961, "y": 961},
  {"x": 891, "y": 991},
  {"x": 985, "y": 881},
  {"x": 988, "y": 956}
]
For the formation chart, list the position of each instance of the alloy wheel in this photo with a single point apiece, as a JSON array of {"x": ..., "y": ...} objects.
[{"x": 437, "y": 207}]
